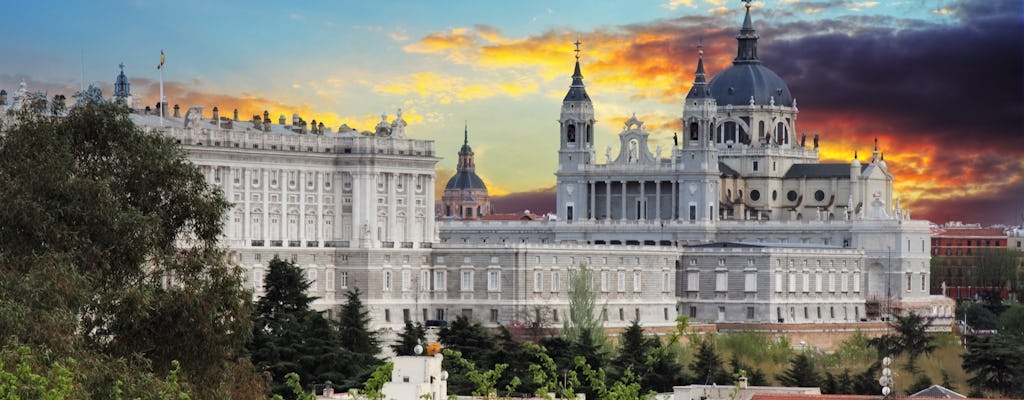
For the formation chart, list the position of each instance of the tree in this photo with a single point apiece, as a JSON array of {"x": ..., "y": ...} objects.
[
  {"x": 289, "y": 337},
  {"x": 911, "y": 338},
  {"x": 923, "y": 382},
  {"x": 108, "y": 241},
  {"x": 755, "y": 377},
  {"x": 1011, "y": 321},
  {"x": 584, "y": 329},
  {"x": 706, "y": 365},
  {"x": 634, "y": 348},
  {"x": 801, "y": 372},
  {"x": 358, "y": 339},
  {"x": 412, "y": 335},
  {"x": 995, "y": 364}
]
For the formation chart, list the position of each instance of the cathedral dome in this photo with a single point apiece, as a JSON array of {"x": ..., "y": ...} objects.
[
  {"x": 465, "y": 180},
  {"x": 739, "y": 82}
]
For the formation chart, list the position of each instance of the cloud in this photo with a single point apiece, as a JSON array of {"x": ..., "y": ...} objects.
[
  {"x": 539, "y": 201},
  {"x": 674, "y": 4}
]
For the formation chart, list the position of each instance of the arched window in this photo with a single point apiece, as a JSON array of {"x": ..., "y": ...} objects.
[
  {"x": 570, "y": 133},
  {"x": 693, "y": 131},
  {"x": 780, "y": 132},
  {"x": 760, "y": 131},
  {"x": 590, "y": 133},
  {"x": 730, "y": 131}
]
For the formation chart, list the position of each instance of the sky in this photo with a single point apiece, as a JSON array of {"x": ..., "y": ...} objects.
[{"x": 938, "y": 82}]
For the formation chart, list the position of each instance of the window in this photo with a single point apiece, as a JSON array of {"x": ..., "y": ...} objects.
[
  {"x": 387, "y": 280},
  {"x": 343, "y": 279},
  {"x": 792, "y": 282},
  {"x": 620, "y": 281},
  {"x": 622, "y": 315},
  {"x": 538, "y": 283},
  {"x": 666, "y": 282},
  {"x": 257, "y": 279},
  {"x": 424, "y": 280},
  {"x": 750, "y": 282},
  {"x": 440, "y": 281},
  {"x": 406, "y": 317},
  {"x": 636, "y": 281},
  {"x": 466, "y": 282},
  {"x": 818, "y": 282},
  {"x": 754, "y": 194},
  {"x": 909, "y": 287},
  {"x": 844, "y": 283},
  {"x": 806, "y": 278},
  {"x": 924, "y": 279},
  {"x": 832, "y": 282},
  {"x": 693, "y": 311},
  {"x": 791, "y": 195},
  {"x": 329, "y": 277},
  {"x": 387, "y": 315},
  {"x": 311, "y": 277},
  {"x": 750, "y": 312},
  {"x": 721, "y": 281},
  {"x": 604, "y": 281},
  {"x": 856, "y": 282},
  {"x": 554, "y": 314},
  {"x": 778, "y": 282},
  {"x": 692, "y": 281},
  {"x": 406, "y": 280},
  {"x": 819, "y": 195},
  {"x": 494, "y": 315},
  {"x": 555, "y": 281},
  {"x": 755, "y": 169},
  {"x": 493, "y": 280}
]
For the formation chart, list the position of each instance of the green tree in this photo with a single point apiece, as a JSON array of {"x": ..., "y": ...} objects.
[
  {"x": 1011, "y": 321},
  {"x": 412, "y": 335},
  {"x": 707, "y": 365},
  {"x": 358, "y": 339},
  {"x": 583, "y": 329},
  {"x": 755, "y": 377},
  {"x": 911, "y": 338},
  {"x": 108, "y": 245},
  {"x": 289, "y": 337},
  {"x": 923, "y": 382},
  {"x": 634, "y": 348},
  {"x": 477, "y": 346},
  {"x": 801, "y": 372},
  {"x": 995, "y": 364}
]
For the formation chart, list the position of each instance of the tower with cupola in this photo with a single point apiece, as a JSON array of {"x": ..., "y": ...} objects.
[
  {"x": 576, "y": 148},
  {"x": 697, "y": 159}
]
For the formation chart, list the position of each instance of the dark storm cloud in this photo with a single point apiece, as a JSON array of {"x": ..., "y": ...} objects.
[
  {"x": 538, "y": 201},
  {"x": 957, "y": 83}
]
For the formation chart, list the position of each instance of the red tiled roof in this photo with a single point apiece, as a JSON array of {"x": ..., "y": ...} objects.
[
  {"x": 986, "y": 232},
  {"x": 511, "y": 217}
]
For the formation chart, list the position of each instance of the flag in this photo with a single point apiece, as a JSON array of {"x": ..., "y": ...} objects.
[{"x": 161, "y": 60}]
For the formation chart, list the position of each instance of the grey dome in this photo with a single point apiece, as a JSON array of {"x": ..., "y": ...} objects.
[
  {"x": 465, "y": 180},
  {"x": 737, "y": 83}
]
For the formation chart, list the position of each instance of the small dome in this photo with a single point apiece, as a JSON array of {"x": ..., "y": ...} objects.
[
  {"x": 465, "y": 180},
  {"x": 739, "y": 82}
]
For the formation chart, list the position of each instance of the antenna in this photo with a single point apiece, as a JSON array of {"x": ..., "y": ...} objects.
[{"x": 81, "y": 81}]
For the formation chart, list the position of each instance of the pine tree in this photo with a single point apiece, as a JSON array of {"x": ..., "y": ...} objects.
[
  {"x": 412, "y": 335},
  {"x": 289, "y": 337},
  {"x": 634, "y": 348},
  {"x": 707, "y": 366},
  {"x": 801, "y": 373},
  {"x": 357, "y": 338}
]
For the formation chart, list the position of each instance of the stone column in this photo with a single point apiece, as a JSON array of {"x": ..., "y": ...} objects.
[
  {"x": 608, "y": 199},
  {"x": 623, "y": 200},
  {"x": 657, "y": 199}
]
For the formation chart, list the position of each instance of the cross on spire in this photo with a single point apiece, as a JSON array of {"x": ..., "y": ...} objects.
[
  {"x": 700, "y": 45},
  {"x": 121, "y": 65},
  {"x": 748, "y": 3},
  {"x": 577, "y": 43}
]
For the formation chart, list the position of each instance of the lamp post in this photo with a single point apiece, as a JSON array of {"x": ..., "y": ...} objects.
[{"x": 886, "y": 380}]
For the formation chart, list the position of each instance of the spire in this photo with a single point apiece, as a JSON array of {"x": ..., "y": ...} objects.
[
  {"x": 577, "y": 91},
  {"x": 465, "y": 134},
  {"x": 746, "y": 53},
  {"x": 700, "y": 87},
  {"x": 466, "y": 152}
]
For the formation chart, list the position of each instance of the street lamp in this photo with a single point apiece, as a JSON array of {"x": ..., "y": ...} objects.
[{"x": 886, "y": 380}]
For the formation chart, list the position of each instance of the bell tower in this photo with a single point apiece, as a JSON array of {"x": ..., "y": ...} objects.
[
  {"x": 698, "y": 157},
  {"x": 576, "y": 147}
]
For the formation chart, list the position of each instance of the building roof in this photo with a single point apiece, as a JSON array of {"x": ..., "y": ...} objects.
[
  {"x": 937, "y": 391},
  {"x": 512, "y": 217},
  {"x": 465, "y": 180},
  {"x": 975, "y": 232},
  {"x": 726, "y": 170},
  {"x": 577, "y": 92},
  {"x": 738, "y": 83},
  {"x": 825, "y": 170}
]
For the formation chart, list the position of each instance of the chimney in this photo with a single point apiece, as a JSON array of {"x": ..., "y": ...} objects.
[
  {"x": 236, "y": 114},
  {"x": 216, "y": 115},
  {"x": 281, "y": 120},
  {"x": 177, "y": 111},
  {"x": 743, "y": 382},
  {"x": 266, "y": 116}
]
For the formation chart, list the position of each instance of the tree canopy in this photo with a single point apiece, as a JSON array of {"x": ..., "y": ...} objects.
[{"x": 109, "y": 255}]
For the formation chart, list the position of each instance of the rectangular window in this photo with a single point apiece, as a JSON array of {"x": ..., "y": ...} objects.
[
  {"x": 666, "y": 282},
  {"x": 556, "y": 281},
  {"x": 844, "y": 283},
  {"x": 909, "y": 286},
  {"x": 257, "y": 280},
  {"x": 494, "y": 315},
  {"x": 311, "y": 277},
  {"x": 693, "y": 213},
  {"x": 692, "y": 281},
  {"x": 424, "y": 280},
  {"x": 721, "y": 281},
  {"x": 750, "y": 312},
  {"x": 856, "y": 282},
  {"x": 924, "y": 281},
  {"x": 636, "y": 281},
  {"x": 440, "y": 281},
  {"x": 406, "y": 280},
  {"x": 604, "y": 281},
  {"x": 755, "y": 165},
  {"x": 387, "y": 280},
  {"x": 493, "y": 281},
  {"x": 329, "y": 278},
  {"x": 792, "y": 282},
  {"x": 779, "y": 282},
  {"x": 832, "y": 282},
  {"x": 387, "y": 315},
  {"x": 750, "y": 282},
  {"x": 693, "y": 311},
  {"x": 343, "y": 279},
  {"x": 818, "y": 282},
  {"x": 554, "y": 314},
  {"x": 806, "y": 278},
  {"x": 466, "y": 283},
  {"x": 406, "y": 315},
  {"x": 620, "y": 281},
  {"x": 538, "y": 283}
]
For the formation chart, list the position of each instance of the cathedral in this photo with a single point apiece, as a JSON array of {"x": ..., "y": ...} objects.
[{"x": 737, "y": 223}]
